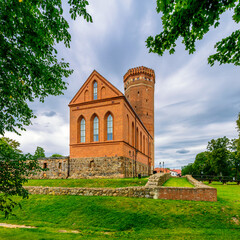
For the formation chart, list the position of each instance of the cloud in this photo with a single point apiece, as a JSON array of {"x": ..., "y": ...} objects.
[
  {"x": 182, "y": 151},
  {"x": 49, "y": 114}
]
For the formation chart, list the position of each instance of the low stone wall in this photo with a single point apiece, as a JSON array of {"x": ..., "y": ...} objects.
[
  {"x": 198, "y": 193},
  {"x": 138, "y": 192}
]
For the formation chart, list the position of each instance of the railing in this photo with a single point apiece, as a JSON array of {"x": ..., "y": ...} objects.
[{"x": 210, "y": 178}]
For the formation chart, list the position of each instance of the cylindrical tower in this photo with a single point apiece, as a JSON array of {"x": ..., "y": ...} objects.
[{"x": 139, "y": 91}]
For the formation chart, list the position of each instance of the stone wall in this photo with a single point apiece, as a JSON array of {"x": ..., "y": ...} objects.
[
  {"x": 56, "y": 168},
  {"x": 198, "y": 193},
  {"x": 158, "y": 179},
  {"x": 101, "y": 167}
]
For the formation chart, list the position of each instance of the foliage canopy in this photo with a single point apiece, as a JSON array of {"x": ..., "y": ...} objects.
[
  {"x": 191, "y": 20},
  {"x": 14, "y": 170},
  {"x": 29, "y": 66}
]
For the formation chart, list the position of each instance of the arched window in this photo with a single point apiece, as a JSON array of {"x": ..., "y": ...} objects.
[
  {"x": 128, "y": 137},
  {"x": 82, "y": 131},
  {"x": 95, "y": 129},
  {"x": 137, "y": 140},
  {"x": 110, "y": 127},
  {"x": 95, "y": 93},
  {"x": 103, "y": 92},
  {"x": 140, "y": 148},
  {"x": 132, "y": 134},
  {"x": 144, "y": 150},
  {"x": 86, "y": 95}
]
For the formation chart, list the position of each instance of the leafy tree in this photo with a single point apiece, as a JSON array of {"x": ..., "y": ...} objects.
[
  {"x": 14, "y": 169},
  {"x": 201, "y": 164},
  {"x": 219, "y": 155},
  {"x": 39, "y": 153},
  {"x": 236, "y": 150},
  {"x": 234, "y": 157},
  {"x": 13, "y": 143},
  {"x": 56, "y": 155},
  {"x": 191, "y": 20},
  {"x": 188, "y": 169},
  {"x": 29, "y": 67}
]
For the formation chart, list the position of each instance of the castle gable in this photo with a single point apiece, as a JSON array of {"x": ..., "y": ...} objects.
[{"x": 95, "y": 87}]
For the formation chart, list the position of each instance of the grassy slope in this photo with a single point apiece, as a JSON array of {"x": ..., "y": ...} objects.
[
  {"x": 177, "y": 182},
  {"x": 127, "y": 218},
  {"x": 91, "y": 183}
]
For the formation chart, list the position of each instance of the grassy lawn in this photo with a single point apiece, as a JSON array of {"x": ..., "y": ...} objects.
[
  {"x": 177, "y": 182},
  {"x": 89, "y": 183},
  {"x": 127, "y": 218}
]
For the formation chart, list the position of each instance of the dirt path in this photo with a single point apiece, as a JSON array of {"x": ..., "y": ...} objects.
[{"x": 14, "y": 226}]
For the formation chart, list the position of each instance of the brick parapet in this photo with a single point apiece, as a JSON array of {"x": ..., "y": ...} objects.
[{"x": 138, "y": 71}]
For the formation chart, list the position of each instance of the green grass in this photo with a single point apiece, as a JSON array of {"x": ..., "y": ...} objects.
[
  {"x": 127, "y": 218},
  {"x": 89, "y": 183},
  {"x": 177, "y": 182}
]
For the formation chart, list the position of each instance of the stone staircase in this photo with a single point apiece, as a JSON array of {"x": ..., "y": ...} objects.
[{"x": 157, "y": 179}]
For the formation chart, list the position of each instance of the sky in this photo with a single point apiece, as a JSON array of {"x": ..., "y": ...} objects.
[{"x": 194, "y": 102}]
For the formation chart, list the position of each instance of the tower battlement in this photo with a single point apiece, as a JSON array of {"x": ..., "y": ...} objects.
[{"x": 139, "y": 71}]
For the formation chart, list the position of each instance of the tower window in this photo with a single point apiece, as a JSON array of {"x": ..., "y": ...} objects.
[
  {"x": 95, "y": 90},
  {"x": 95, "y": 129},
  {"x": 82, "y": 131},
  {"x": 110, "y": 127}
]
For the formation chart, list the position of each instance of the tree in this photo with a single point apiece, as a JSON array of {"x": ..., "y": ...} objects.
[
  {"x": 29, "y": 67},
  {"x": 234, "y": 157},
  {"x": 39, "y": 153},
  {"x": 236, "y": 149},
  {"x": 56, "y": 155},
  {"x": 201, "y": 164},
  {"x": 191, "y": 20},
  {"x": 219, "y": 155},
  {"x": 12, "y": 143},
  {"x": 14, "y": 169},
  {"x": 188, "y": 169}
]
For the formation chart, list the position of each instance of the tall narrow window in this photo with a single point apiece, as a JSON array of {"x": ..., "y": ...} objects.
[
  {"x": 110, "y": 127},
  {"x": 132, "y": 134},
  {"x": 128, "y": 137},
  {"x": 137, "y": 140},
  {"x": 95, "y": 129},
  {"x": 83, "y": 130},
  {"x": 94, "y": 90},
  {"x": 144, "y": 150}
]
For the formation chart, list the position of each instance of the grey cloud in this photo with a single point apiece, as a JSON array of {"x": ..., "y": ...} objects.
[
  {"x": 182, "y": 151},
  {"x": 49, "y": 114}
]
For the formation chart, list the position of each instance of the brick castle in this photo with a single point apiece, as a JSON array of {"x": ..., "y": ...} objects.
[{"x": 111, "y": 133}]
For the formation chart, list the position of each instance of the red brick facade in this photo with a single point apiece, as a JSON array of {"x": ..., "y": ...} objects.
[{"x": 104, "y": 123}]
